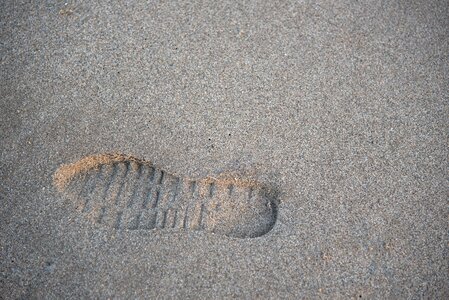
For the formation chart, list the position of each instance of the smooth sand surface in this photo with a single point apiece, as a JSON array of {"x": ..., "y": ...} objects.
[{"x": 341, "y": 106}]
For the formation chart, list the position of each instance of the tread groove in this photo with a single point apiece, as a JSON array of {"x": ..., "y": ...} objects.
[
  {"x": 101, "y": 215},
  {"x": 230, "y": 189},
  {"x": 175, "y": 219},
  {"x": 185, "y": 220},
  {"x": 201, "y": 217},
  {"x": 211, "y": 190},
  {"x": 164, "y": 219},
  {"x": 118, "y": 222},
  {"x": 156, "y": 199},
  {"x": 161, "y": 178}
]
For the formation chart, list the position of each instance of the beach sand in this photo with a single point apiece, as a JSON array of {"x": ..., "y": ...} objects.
[{"x": 341, "y": 107}]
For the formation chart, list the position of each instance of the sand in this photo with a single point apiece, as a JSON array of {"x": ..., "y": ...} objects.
[{"x": 339, "y": 106}]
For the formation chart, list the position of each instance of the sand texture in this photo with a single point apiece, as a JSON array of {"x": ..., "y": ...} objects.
[{"x": 224, "y": 149}]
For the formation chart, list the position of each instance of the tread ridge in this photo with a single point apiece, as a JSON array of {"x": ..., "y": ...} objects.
[
  {"x": 135, "y": 185},
  {"x": 111, "y": 179},
  {"x": 90, "y": 187},
  {"x": 149, "y": 189},
  {"x": 122, "y": 183}
]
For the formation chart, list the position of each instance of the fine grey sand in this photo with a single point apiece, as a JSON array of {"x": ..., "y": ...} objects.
[{"x": 340, "y": 107}]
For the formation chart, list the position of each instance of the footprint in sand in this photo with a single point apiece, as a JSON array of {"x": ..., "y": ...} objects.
[{"x": 123, "y": 192}]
